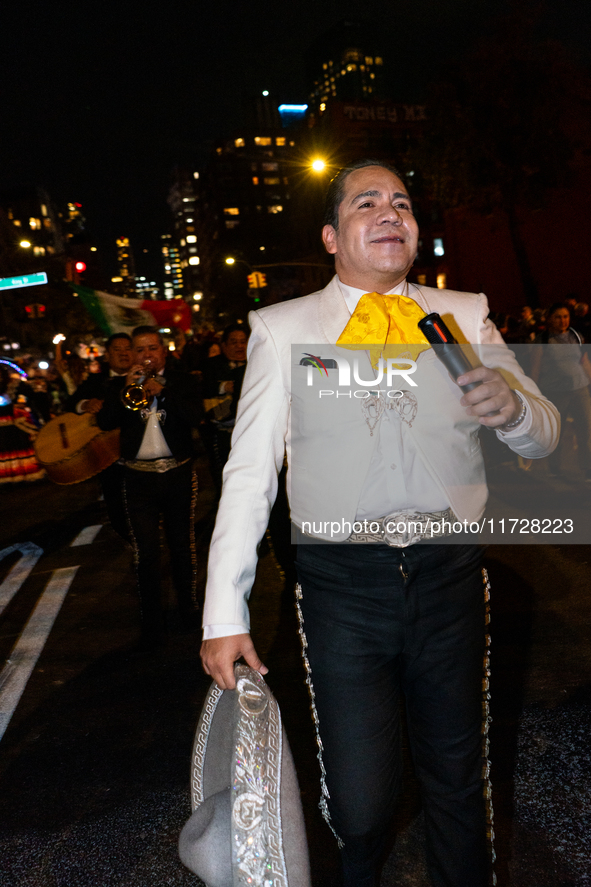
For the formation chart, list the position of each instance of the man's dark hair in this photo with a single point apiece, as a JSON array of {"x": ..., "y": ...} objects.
[
  {"x": 336, "y": 188},
  {"x": 147, "y": 331},
  {"x": 115, "y": 336},
  {"x": 233, "y": 328}
]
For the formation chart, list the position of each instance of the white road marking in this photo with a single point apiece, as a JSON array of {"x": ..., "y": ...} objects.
[
  {"x": 87, "y": 535},
  {"x": 19, "y": 572},
  {"x": 26, "y": 651}
]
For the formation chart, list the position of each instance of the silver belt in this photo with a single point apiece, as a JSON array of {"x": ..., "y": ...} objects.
[
  {"x": 403, "y": 528},
  {"x": 158, "y": 465}
]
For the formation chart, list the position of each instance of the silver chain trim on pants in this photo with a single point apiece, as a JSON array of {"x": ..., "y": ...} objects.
[
  {"x": 486, "y": 721},
  {"x": 324, "y": 788}
]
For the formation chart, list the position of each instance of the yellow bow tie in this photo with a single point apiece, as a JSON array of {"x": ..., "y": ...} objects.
[{"x": 380, "y": 322}]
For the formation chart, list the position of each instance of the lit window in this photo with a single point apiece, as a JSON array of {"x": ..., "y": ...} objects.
[
  {"x": 192, "y": 249},
  {"x": 195, "y": 175},
  {"x": 372, "y": 76},
  {"x": 34, "y": 223},
  {"x": 188, "y": 199},
  {"x": 343, "y": 72},
  {"x": 324, "y": 66},
  {"x": 262, "y": 140},
  {"x": 275, "y": 208},
  {"x": 270, "y": 167},
  {"x": 280, "y": 141},
  {"x": 255, "y": 180},
  {"x": 232, "y": 223},
  {"x": 183, "y": 241},
  {"x": 422, "y": 279},
  {"x": 323, "y": 106},
  {"x": 17, "y": 223},
  {"x": 438, "y": 246},
  {"x": 239, "y": 143},
  {"x": 188, "y": 221},
  {"x": 368, "y": 60},
  {"x": 351, "y": 67},
  {"x": 43, "y": 209},
  {"x": 272, "y": 181},
  {"x": 167, "y": 267},
  {"x": 231, "y": 211},
  {"x": 441, "y": 278},
  {"x": 292, "y": 144},
  {"x": 218, "y": 150},
  {"x": 39, "y": 250},
  {"x": 380, "y": 61},
  {"x": 191, "y": 238}
]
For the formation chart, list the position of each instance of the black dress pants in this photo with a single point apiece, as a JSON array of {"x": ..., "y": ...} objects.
[
  {"x": 379, "y": 621},
  {"x": 148, "y": 495}
]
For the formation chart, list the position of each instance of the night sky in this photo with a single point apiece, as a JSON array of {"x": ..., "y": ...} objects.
[{"x": 99, "y": 101}]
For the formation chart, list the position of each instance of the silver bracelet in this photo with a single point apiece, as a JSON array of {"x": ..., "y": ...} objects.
[{"x": 521, "y": 415}]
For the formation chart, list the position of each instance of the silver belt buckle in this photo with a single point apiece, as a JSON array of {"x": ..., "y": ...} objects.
[{"x": 401, "y": 539}]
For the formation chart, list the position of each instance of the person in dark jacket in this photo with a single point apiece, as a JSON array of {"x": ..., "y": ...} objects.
[
  {"x": 88, "y": 398},
  {"x": 222, "y": 384},
  {"x": 159, "y": 476}
]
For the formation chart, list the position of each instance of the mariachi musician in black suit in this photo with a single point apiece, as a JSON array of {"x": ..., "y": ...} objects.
[{"x": 156, "y": 407}]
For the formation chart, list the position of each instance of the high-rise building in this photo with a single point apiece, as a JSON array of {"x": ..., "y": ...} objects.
[
  {"x": 126, "y": 266},
  {"x": 347, "y": 64},
  {"x": 35, "y": 220},
  {"x": 146, "y": 289},
  {"x": 182, "y": 199},
  {"x": 173, "y": 272}
]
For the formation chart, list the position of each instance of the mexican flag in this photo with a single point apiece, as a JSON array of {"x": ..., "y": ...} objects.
[{"x": 115, "y": 314}]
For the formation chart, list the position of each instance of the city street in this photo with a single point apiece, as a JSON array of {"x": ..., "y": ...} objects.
[{"x": 95, "y": 737}]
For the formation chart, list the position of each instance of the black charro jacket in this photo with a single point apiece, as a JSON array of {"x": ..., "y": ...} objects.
[{"x": 181, "y": 399}]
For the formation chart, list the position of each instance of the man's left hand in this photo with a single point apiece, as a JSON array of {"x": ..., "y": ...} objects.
[
  {"x": 493, "y": 396},
  {"x": 153, "y": 387}
]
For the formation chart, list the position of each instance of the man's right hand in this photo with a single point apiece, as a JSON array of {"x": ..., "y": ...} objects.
[
  {"x": 92, "y": 406},
  {"x": 218, "y": 656}
]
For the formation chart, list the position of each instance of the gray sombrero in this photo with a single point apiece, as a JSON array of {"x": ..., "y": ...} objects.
[{"x": 247, "y": 826}]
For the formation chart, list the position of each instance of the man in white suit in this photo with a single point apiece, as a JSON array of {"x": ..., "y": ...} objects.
[{"x": 386, "y": 616}]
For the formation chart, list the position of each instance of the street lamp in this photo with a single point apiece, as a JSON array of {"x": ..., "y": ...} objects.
[
  {"x": 26, "y": 244},
  {"x": 230, "y": 261},
  {"x": 318, "y": 165}
]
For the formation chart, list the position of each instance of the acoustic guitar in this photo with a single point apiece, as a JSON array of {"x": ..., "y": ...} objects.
[{"x": 73, "y": 448}]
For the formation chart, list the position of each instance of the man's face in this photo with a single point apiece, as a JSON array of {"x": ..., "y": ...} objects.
[
  {"x": 148, "y": 351},
  {"x": 376, "y": 241},
  {"x": 234, "y": 347},
  {"x": 119, "y": 355}
]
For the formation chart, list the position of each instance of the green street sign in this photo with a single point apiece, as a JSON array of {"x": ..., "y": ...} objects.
[{"x": 9, "y": 283}]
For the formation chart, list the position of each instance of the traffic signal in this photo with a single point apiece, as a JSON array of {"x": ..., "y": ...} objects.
[
  {"x": 252, "y": 281},
  {"x": 74, "y": 269},
  {"x": 35, "y": 311}
]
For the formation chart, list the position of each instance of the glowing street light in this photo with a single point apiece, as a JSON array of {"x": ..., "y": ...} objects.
[
  {"x": 318, "y": 165},
  {"x": 26, "y": 244},
  {"x": 230, "y": 261}
]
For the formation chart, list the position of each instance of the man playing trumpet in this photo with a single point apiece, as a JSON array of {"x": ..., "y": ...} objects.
[{"x": 159, "y": 477}]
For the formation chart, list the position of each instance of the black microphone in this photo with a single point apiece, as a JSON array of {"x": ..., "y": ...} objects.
[{"x": 446, "y": 348}]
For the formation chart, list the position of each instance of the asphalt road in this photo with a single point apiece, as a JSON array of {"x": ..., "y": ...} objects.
[{"x": 96, "y": 744}]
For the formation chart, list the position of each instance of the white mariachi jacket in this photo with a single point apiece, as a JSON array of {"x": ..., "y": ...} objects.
[{"x": 329, "y": 445}]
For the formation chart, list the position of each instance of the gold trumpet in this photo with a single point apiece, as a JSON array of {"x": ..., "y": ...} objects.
[{"x": 135, "y": 397}]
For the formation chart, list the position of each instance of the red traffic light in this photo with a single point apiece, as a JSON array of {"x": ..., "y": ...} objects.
[{"x": 80, "y": 267}]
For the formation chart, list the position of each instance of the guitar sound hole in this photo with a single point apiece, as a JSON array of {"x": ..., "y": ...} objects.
[{"x": 64, "y": 435}]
